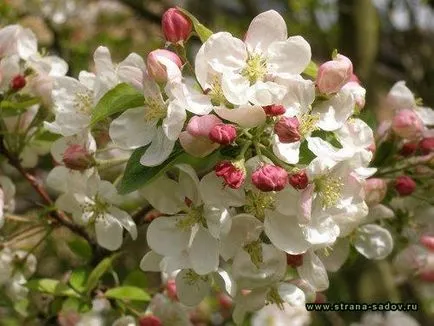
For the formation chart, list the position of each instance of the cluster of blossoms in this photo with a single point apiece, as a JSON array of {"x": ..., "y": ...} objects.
[{"x": 257, "y": 167}]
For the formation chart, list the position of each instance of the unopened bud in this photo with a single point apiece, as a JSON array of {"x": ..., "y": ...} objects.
[
  {"x": 287, "y": 129},
  {"x": 294, "y": 260},
  {"x": 427, "y": 276},
  {"x": 405, "y": 185},
  {"x": 223, "y": 134},
  {"x": 270, "y": 178},
  {"x": 150, "y": 320},
  {"x": 274, "y": 110},
  {"x": 225, "y": 301},
  {"x": 201, "y": 126},
  {"x": 171, "y": 290},
  {"x": 298, "y": 180},
  {"x": 233, "y": 174},
  {"x": 334, "y": 74},
  {"x": 77, "y": 157},
  {"x": 408, "y": 149},
  {"x": 406, "y": 124},
  {"x": 156, "y": 68},
  {"x": 427, "y": 241},
  {"x": 426, "y": 145},
  {"x": 176, "y": 26},
  {"x": 375, "y": 191},
  {"x": 18, "y": 82}
]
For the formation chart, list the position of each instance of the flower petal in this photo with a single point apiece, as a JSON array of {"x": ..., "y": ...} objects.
[
  {"x": 151, "y": 262},
  {"x": 191, "y": 293},
  {"x": 246, "y": 116},
  {"x": 204, "y": 254},
  {"x": 159, "y": 150},
  {"x": 289, "y": 57},
  {"x": 108, "y": 232},
  {"x": 373, "y": 241},
  {"x": 313, "y": 272}
]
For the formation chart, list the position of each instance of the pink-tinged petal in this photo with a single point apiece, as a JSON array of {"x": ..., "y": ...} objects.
[
  {"x": 197, "y": 146},
  {"x": 306, "y": 199},
  {"x": 246, "y": 116},
  {"x": 202, "y": 126}
]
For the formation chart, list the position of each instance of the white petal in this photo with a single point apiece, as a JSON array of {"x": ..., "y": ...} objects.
[
  {"x": 130, "y": 130},
  {"x": 218, "y": 221},
  {"x": 289, "y": 57},
  {"x": 322, "y": 230},
  {"x": 334, "y": 259},
  {"x": 151, "y": 262},
  {"x": 335, "y": 111},
  {"x": 131, "y": 70},
  {"x": 191, "y": 294},
  {"x": 266, "y": 28},
  {"x": 108, "y": 232},
  {"x": 292, "y": 294},
  {"x": 400, "y": 97},
  {"x": 235, "y": 88},
  {"x": 287, "y": 152},
  {"x": 246, "y": 116},
  {"x": 165, "y": 195},
  {"x": 126, "y": 221},
  {"x": 26, "y": 43},
  {"x": 267, "y": 93},
  {"x": 215, "y": 194},
  {"x": 373, "y": 241},
  {"x": 225, "y": 282},
  {"x": 285, "y": 233},
  {"x": 158, "y": 151},
  {"x": 174, "y": 121},
  {"x": 204, "y": 255},
  {"x": 379, "y": 212},
  {"x": 324, "y": 149},
  {"x": 189, "y": 183},
  {"x": 165, "y": 237},
  {"x": 426, "y": 115},
  {"x": 313, "y": 272}
]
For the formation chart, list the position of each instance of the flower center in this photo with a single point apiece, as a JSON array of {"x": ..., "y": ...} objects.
[
  {"x": 95, "y": 208},
  {"x": 273, "y": 296},
  {"x": 255, "y": 69},
  {"x": 329, "y": 190},
  {"x": 216, "y": 92},
  {"x": 254, "y": 249},
  {"x": 191, "y": 277},
  {"x": 155, "y": 110},
  {"x": 308, "y": 123},
  {"x": 257, "y": 203},
  {"x": 83, "y": 102},
  {"x": 194, "y": 216}
]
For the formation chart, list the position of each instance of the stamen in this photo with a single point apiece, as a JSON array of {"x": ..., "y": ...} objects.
[
  {"x": 194, "y": 216},
  {"x": 191, "y": 277},
  {"x": 155, "y": 110},
  {"x": 308, "y": 123},
  {"x": 256, "y": 68},
  {"x": 257, "y": 203},
  {"x": 273, "y": 296},
  {"x": 83, "y": 102},
  {"x": 254, "y": 249},
  {"x": 329, "y": 189},
  {"x": 216, "y": 92}
]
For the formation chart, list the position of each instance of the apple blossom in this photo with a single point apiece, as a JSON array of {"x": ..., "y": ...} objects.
[
  {"x": 156, "y": 69},
  {"x": 233, "y": 174},
  {"x": 405, "y": 185},
  {"x": 223, "y": 134},
  {"x": 376, "y": 190},
  {"x": 176, "y": 26},
  {"x": 406, "y": 124},
  {"x": 334, "y": 74},
  {"x": 270, "y": 178}
]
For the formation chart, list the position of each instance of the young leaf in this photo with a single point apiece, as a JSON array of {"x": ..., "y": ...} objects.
[
  {"x": 8, "y": 108},
  {"x": 99, "y": 271},
  {"x": 128, "y": 293},
  {"x": 78, "y": 278},
  {"x": 311, "y": 70},
  {"x": 137, "y": 175},
  {"x": 51, "y": 286},
  {"x": 136, "y": 278},
  {"x": 81, "y": 248},
  {"x": 203, "y": 32},
  {"x": 118, "y": 99}
]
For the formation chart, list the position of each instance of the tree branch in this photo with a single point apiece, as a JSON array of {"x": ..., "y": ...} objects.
[{"x": 138, "y": 7}]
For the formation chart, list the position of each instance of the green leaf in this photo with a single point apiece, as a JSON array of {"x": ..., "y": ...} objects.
[
  {"x": 9, "y": 108},
  {"x": 136, "y": 175},
  {"x": 118, "y": 99},
  {"x": 384, "y": 153},
  {"x": 81, "y": 248},
  {"x": 136, "y": 278},
  {"x": 102, "y": 268},
  {"x": 203, "y": 32},
  {"x": 51, "y": 286},
  {"x": 74, "y": 304},
  {"x": 311, "y": 70},
  {"x": 78, "y": 279},
  {"x": 128, "y": 293}
]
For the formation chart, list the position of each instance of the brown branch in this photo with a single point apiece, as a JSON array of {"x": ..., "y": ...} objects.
[{"x": 57, "y": 215}]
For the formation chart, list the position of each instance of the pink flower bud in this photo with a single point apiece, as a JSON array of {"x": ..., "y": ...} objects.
[
  {"x": 372, "y": 148},
  {"x": 426, "y": 145},
  {"x": 176, "y": 26},
  {"x": 18, "y": 82},
  {"x": 225, "y": 301},
  {"x": 334, "y": 74},
  {"x": 427, "y": 241},
  {"x": 427, "y": 276},
  {"x": 408, "y": 149},
  {"x": 294, "y": 260},
  {"x": 232, "y": 173},
  {"x": 150, "y": 320},
  {"x": 406, "y": 124},
  {"x": 157, "y": 70},
  {"x": 201, "y": 126},
  {"x": 405, "y": 185},
  {"x": 298, "y": 180},
  {"x": 274, "y": 110},
  {"x": 354, "y": 79},
  {"x": 171, "y": 290},
  {"x": 270, "y": 178},
  {"x": 287, "y": 129},
  {"x": 223, "y": 134},
  {"x": 77, "y": 157},
  {"x": 375, "y": 191}
]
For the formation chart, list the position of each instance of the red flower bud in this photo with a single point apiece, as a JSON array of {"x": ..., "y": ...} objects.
[
  {"x": 176, "y": 26},
  {"x": 294, "y": 260},
  {"x": 287, "y": 129},
  {"x": 427, "y": 241},
  {"x": 405, "y": 185},
  {"x": 233, "y": 176},
  {"x": 171, "y": 290},
  {"x": 150, "y": 320},
  {"x": 77, "y": 157},
  {"x": 223, "y": 134},
  {"x": 274, "y": 110},
  {"x": 156, "y": 67},
  {"x": 298, "y": 180},
  {"x": 426, "y": 145},
  {"x": 18, "y": 82},
  {"x": 270, "y": 178},
  {"x": 408, "y": 149},
  {"x": 406, "y": 124},
  {"x": 225, "y": 301},
  {"x": 427, "y": 276}
]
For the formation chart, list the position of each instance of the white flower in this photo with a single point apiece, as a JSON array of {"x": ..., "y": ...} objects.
[
  {"x": 7, "y": 194},
  {"x": 248, "y": 68},
  {"x": 92, "y": 201},
  {"x": 14, "y": 39},
  {"x": 273, "y": 315},
  {"x": 373, "y": 241}
]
